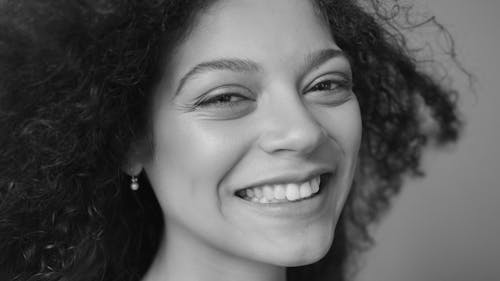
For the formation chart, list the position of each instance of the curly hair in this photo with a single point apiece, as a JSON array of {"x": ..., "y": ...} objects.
[{"x": 75, "y": 84}]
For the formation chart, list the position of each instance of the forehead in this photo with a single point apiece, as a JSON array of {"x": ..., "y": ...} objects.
[{"x": 260, "y": 30}]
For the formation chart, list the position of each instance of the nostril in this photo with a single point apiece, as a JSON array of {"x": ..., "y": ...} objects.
[
  {"x": 287, "y": 125},
  {"x": 302, "y": 139}
]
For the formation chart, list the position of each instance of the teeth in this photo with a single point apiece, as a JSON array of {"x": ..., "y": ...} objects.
[
  {"x": 250, "y": 192},
  {"x": 315, "y": 184},
  {"x": 305, "y": 190},
  {"x": 281, "y": 192},
  {"x": 292, "y": 192},
  {"x": 268, "y": 192},
  {"x": 257, "y": 192}
]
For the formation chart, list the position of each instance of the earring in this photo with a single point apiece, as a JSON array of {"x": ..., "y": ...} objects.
[{"x": 134, "y": 184}]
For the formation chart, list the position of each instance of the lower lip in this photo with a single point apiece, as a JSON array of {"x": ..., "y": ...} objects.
[{"x": 293, "y": 209}]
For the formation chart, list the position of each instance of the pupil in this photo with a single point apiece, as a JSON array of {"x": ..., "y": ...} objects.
[
  {"x": 224, "y": 98},
  {"x": 324, "y": 86}
]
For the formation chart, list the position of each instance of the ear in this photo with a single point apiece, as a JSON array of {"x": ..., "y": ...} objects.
[{"x": 137, "y": 155}]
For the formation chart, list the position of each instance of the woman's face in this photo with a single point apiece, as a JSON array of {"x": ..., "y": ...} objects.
[{"x": 254, "y": 110}]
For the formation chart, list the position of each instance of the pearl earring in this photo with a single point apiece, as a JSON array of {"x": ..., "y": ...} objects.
[{"x": 134, "y": 184}]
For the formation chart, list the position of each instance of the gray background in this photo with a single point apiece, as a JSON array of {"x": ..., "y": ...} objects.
[{"x": 446, "y": 227}]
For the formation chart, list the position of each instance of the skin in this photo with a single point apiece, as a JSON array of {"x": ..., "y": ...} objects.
[{"x": 287, "y": 111}]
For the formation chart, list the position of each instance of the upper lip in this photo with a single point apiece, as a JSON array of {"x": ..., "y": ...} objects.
[{"x": 289, "y": 177}]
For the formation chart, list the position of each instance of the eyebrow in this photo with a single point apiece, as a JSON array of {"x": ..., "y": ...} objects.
[
  {"x": 228, "y": 64},
  {"x": 311, "y": 61},
  {"x": 317, "y": 58}
]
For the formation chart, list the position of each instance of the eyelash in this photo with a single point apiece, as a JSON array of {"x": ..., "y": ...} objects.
[
  {"x": 216, "y": 100},
  {"x": 341, "y": 83}
]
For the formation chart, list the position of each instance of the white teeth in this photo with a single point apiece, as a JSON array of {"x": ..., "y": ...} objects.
[
  {"x": 250, "y": 192},
  {"x": 292, "y": 192},
  {"x": 268, "y": 192},
  {"x": 305, "y": 190},
  {"x": 258, "y": 192},
  {"x": 315, "y": 184},
  {"x": 281, "y": 192}
]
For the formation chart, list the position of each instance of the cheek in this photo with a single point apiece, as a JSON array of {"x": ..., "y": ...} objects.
[
  {"x": 191, "y": 157},
  {"x": 344, "y": 127}
]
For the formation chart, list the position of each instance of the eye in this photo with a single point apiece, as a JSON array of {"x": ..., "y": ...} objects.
[
  {"x": 331, "y": 83},
  {"x": 228, "y": 99},
  {"x": 226, "y": 102},
  {"x": 327, "y": 85},
  {"x": 330, "y": 89}
]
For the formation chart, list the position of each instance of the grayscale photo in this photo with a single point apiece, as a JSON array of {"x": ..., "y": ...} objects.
[{"x": 249, "y": 140}]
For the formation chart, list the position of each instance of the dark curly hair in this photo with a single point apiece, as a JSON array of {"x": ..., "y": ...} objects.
[{"x": 75, "y": 84}]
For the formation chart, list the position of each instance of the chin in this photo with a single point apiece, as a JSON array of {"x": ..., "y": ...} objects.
[{"x": 305, "y": 252}]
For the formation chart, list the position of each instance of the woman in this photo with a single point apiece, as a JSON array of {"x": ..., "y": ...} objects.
[{"x": 203, "y": 140}]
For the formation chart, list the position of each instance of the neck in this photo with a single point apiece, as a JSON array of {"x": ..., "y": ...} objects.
[{"x": 182, "y": 256}]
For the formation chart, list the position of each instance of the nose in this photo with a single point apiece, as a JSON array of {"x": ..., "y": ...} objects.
[{"x": 290, "y": 127}]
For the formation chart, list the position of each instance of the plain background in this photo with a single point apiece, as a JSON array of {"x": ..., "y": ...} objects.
[{"x": 446, "y": 227}]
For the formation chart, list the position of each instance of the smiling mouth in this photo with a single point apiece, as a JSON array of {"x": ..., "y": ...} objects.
[{"x": 284, "y": 192}]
